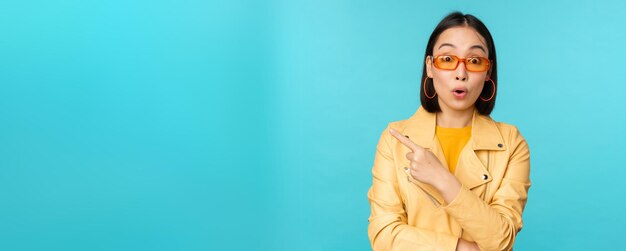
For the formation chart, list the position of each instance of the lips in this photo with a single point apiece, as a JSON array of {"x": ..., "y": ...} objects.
[{"x": 460, "y": 92}]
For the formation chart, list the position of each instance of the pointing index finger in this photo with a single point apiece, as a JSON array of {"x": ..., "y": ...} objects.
[{"x": 404, "y": 140}]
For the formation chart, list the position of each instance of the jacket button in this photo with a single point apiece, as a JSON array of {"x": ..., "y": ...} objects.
[
  {"x": 485, "y": 177},
  {"x": 500, "y": 145}
]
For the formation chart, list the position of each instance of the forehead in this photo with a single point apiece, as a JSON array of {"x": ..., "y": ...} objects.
[{"x": 463, "y": 39}]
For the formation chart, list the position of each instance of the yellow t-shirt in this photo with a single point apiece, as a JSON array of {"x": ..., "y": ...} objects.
[{"x": 452, "y": 141}]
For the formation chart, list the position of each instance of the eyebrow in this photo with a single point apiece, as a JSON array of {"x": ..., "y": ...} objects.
[{"x": 473, "y": 46}]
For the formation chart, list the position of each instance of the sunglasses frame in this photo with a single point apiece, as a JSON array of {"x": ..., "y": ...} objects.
[{"x": 459, "y": 60}]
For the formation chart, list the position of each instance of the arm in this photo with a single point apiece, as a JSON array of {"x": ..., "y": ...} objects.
[
  {"x": 494, "y": 225},
  {"x": 388, "y": 228}
]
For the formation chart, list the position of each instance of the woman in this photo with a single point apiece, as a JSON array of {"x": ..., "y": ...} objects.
[{"x": 449, "y": 177}]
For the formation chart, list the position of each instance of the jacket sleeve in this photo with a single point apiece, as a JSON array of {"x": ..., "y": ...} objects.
[
  {"x": 494, "y": 225},
  {"x": 388, "y": 228}
]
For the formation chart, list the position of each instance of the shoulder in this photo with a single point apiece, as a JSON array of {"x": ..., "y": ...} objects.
[
  {"x": 398, "y": 125},
  {"x": 511, "y": 134},
  {"x": 506, "y": 128}
]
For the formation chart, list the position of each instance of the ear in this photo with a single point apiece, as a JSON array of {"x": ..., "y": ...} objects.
[
  {"x": 429, "y": 65},
  {"x": 489, "y": 73}
]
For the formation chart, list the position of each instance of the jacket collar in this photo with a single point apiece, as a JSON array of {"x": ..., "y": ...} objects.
[{"x": 485, "y": 133}]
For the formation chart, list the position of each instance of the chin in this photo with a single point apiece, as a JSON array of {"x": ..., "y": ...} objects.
[{"x": 458, "y": 105}]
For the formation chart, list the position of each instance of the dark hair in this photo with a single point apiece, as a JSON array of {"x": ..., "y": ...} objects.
[{"x": 456, "y": 19}]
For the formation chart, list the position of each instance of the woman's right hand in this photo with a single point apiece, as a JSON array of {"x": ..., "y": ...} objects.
[{"x": 464, "y": 245}]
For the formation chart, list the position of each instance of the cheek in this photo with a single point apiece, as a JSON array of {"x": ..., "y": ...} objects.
[
  {"x": 442, "y": 78},
  {"x": 477, "y": 87},
  {"x": 477, "y": 83}
]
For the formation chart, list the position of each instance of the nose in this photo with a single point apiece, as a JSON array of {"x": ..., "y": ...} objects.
[{"x": 461, "y": 73}]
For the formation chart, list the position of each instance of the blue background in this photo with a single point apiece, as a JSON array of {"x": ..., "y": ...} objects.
[{"x": 237, "y": 125}]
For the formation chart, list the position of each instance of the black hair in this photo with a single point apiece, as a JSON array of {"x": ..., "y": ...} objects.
[{"x": 456, "y": 19}]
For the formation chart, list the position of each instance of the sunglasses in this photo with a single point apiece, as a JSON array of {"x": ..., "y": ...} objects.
[{"x": 450, "y": 62}]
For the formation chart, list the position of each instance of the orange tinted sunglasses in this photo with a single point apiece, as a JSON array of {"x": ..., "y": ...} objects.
[{"x": 450, "y": 62}]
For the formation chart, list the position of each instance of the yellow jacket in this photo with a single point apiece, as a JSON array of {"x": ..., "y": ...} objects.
[{"x": 493, "y": 169}]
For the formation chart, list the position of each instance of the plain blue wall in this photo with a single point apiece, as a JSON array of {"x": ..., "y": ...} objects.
[{"x": 237, "y": 125}]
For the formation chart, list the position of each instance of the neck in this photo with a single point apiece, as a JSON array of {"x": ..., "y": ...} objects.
[{"x": 451, "y": 118}]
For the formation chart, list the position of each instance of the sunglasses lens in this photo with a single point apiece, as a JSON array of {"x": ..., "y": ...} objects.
[
  {"x": 449, "y": 62},
  {"x": 446, "y": 62},
  {"x": 477, "y": 64}
]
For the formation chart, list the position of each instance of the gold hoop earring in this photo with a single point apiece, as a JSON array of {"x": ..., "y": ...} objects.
[
  {"x": 492, "y": 94},
  {"x": 426, "y": 93}
]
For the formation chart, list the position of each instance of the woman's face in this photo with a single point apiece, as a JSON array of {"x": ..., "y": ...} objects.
[{"x": 458, "y": 89}]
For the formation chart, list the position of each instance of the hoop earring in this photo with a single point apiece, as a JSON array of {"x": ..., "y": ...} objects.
[
  {"x": 426, "y": 93},
  {"x": 492, "y": 94}
]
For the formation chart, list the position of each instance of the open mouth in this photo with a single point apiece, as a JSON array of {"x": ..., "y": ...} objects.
[{"x": 459, "y": 92}]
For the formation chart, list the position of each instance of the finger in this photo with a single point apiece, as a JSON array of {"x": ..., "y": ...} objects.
[{"x": 404, "y": 140}]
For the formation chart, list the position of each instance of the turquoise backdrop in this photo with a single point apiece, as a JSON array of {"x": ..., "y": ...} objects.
[{"x": 252, "y": 125}]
